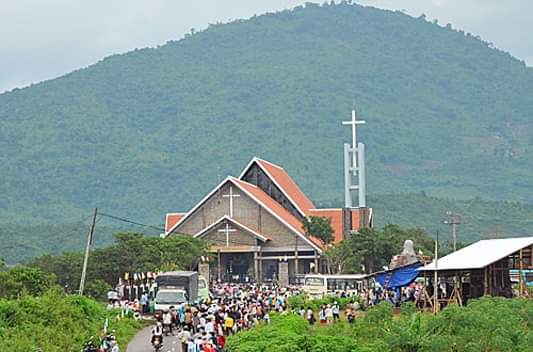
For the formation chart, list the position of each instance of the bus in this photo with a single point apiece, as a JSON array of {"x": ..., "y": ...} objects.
[
  {"x": 318, "y": 285},
  {"x": 527, "y": 277}
]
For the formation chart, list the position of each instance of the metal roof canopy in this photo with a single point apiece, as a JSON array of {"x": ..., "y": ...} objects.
[{"x": 480, "y": 254}]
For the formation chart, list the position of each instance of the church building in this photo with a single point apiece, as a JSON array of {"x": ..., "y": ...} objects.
[{"x": 253, "y": 225}]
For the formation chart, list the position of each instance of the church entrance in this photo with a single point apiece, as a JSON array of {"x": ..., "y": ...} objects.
[{"x": 236, "y": 267}]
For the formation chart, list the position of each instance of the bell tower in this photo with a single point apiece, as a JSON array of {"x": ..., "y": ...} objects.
[{"x": 354, "y": 168}]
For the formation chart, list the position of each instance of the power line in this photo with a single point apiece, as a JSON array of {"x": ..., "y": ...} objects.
[{"x": 118, "y": 218}]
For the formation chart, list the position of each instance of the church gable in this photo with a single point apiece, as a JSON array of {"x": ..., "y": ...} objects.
[
  {"x": 256, "y": 175},
  {"x": 215, "y": 206},
  {"x": 246, "y": 208},
  {"x": 231, "y": 236},
  {"x": 229, "y": 232}
]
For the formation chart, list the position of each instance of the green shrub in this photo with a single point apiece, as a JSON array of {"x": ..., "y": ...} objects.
[
  {"x": 486, "y": 324},
  {"x": 57, "y": 323},
  {"x": 23, "y": 280},
  {"x": 97, "y": 289},
  {"x": 298, "y": 301}
]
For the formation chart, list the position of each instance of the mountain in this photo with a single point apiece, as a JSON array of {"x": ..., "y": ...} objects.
[{"x": 152, "y": 130}]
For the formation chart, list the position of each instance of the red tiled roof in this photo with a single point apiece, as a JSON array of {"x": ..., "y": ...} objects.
[
  {"x": 172, "y": 219},
  {"x": 336, "y": 216},
  {"x": 287, "y": 185},
  {"x": 276, "y": 208},
  {"x": 264, "y": 198}
]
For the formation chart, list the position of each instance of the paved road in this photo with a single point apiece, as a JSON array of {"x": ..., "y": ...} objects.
[{"x": 141, "y": 343}]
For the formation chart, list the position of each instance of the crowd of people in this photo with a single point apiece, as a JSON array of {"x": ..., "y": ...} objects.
[
  {"x": 203, "y": 327},
  {"x": 230, "y": 308}
]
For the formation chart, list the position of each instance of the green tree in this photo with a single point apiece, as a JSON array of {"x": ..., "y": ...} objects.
[
  {"x": 370, "y": 249},
  {"x": 97, "y": 289},
  {"x": 132, "y": 252},
  {"x": 25, "y": 280},
  {"x": 320, "y": 227}
]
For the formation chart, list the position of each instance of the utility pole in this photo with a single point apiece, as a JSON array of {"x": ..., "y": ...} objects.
[
  {"x": 436, "y": 278},
  {"x": 454, "y": 219},
  {"x": 87, "y": 248}
]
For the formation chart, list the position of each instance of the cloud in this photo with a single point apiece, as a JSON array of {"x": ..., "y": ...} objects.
[{"x": 45, "y": 39}]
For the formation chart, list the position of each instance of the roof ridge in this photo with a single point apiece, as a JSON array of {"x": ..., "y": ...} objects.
[
  {"x": 239, "y": 180},
  {"x": 269, "y": 162}
]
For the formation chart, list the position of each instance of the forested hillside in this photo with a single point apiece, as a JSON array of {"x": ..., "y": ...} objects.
[
  {"x": 480, "y": 219},
  {"x": 152, "y": 130}
]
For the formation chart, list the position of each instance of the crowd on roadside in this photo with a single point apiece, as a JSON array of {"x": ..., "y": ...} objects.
[
  {"x": 203, "y": 327},
  {"x": 230, "y": 308}
]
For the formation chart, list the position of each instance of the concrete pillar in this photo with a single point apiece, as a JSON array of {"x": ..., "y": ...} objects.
[
  {"x": 260, "y": 264},
  {"x": 296, "y": 264},
  {"x": 283, "y": 274},
  {"x": 219, "y": 268},
  {"x": 256, "y": 267}
]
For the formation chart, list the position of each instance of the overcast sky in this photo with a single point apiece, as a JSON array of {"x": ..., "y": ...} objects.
[{"x": 43, "y": 39}]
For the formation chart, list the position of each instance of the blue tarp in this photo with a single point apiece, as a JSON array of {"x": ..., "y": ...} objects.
[{"x": 399, "y": 277}]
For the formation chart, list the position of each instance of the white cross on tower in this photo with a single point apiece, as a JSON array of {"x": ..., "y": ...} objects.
[
  {"x": 354, "y": 122},
  {"x": 227, "y": 230},
  {"x": 231, "y": 195}
]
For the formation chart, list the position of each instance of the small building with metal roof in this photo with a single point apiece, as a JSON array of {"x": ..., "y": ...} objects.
[{"x": 483, "y": 268}]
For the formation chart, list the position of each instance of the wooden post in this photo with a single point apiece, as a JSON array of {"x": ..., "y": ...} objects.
[
  {"x": 520, "y": 281},
  {"x": 502, "y": 276},
  {"x": 485, "y": 282},
  {"x": 491, "y": 277},
  {"x": 435, "y": 279}
]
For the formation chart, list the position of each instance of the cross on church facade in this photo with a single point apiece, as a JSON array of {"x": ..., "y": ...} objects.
[
  {"x": 231, "y": 195},
  {"x": 354, "y": 122},
  {"x": 227, "y": 230}
]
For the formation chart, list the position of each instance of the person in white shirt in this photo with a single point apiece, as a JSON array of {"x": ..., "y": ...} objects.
[
  {"x": 167, "y": 321},
  {"x": 157, "y": 331},
  {"x": 329, "y": 314},
  {"x": 184, "y": 337},
  {"x": 209, "y": 326}
]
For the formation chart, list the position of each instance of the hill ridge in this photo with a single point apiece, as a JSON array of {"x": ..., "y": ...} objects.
[{"x": 446, "y": 114}]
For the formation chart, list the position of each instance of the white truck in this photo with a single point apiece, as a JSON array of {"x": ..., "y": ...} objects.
[{"x": 175, "y": 288}]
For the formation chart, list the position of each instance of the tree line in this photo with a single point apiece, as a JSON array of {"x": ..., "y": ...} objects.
[
  {"x": 369, "y": 249},
  {"x": 132, "y": 252}
]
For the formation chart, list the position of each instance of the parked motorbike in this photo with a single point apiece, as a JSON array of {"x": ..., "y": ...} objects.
[
  {"x": 107, "y": 342},
  {"x": 157, "y": 344},
  {"x": 90, "y": 346}
]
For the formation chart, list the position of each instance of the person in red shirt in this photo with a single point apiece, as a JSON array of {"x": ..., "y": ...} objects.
[
  {"x": 208, "y": 347},
  {"x": 221, "y": 341}
]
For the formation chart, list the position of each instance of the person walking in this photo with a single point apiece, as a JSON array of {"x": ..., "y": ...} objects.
[
  {"x": 144, "y": 303},
  {"x": 310, "y": 316},
  {"x": 329, "y": 314},
  {"x": 335, "y": 311},
  {"x": 322, "y": 314}
]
